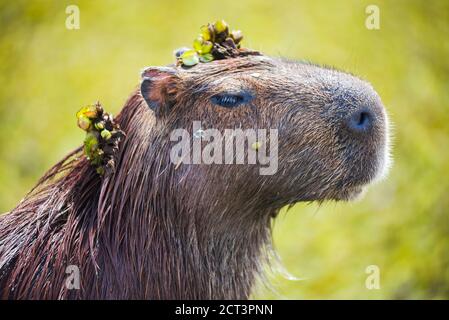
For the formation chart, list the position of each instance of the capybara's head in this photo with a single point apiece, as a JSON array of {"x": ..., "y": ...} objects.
[{"x": 332, "y": 129}]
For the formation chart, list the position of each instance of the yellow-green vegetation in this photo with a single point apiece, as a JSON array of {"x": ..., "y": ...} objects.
[
  {"x": 213, "y": 42},
  {"x": 99, "y": 147},
  {"x": 401, "y": 225}
]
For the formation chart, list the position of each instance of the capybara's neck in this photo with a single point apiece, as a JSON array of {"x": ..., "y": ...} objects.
[{"x": 174, "y": 234}]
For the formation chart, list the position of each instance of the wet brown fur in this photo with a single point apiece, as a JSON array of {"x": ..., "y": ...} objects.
[{"x": 152, "y": 230}]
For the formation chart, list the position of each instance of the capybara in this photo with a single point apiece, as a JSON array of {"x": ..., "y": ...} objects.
[{"x": 154, "y": 229}]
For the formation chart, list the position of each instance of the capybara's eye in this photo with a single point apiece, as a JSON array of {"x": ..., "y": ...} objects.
[{"x": 231, "y": 100}]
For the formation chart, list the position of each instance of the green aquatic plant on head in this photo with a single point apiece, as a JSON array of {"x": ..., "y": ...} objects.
[
  {"x": 102, "y": 137},
  {"x": 214, "y": 42}
]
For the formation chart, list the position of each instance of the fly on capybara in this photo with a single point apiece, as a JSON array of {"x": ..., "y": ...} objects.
[{"x": 139, "y": 226}]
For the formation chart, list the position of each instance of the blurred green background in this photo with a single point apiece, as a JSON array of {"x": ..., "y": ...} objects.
[{"x": 402, "y": 225}]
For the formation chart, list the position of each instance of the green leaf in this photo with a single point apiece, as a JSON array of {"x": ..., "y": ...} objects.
[
  {"x": 197, "y": 44},
  {"x": 207, "y": 57},
  {"x": 106, "y": 134},
  {"x": 221, "y": 26},
  {"x": 90, "y": 145},
  {"x": 89, "y": 111},
  {"x": 84, "y": 122},
  {"x": 207, "y": 32},
  {"x": 206, "y": 47},
  {"x": 99, "y": 125},
  {"x": 189, "y": 58},
  {"x": 237, "y": 36}
]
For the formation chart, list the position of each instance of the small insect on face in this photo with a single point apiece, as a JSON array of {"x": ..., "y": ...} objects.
[{"x": 329, "y": 129}]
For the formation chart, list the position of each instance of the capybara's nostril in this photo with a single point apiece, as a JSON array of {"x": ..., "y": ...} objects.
[{"x": 360, "y": 121}]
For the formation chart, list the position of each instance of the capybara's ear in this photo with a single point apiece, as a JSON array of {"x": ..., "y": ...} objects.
[{"x": 158, "y": 88}]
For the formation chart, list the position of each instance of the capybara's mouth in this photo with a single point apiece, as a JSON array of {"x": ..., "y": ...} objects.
[
  {"x": 355, "y": 189},
  {"x": 354, "y": 186}
]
